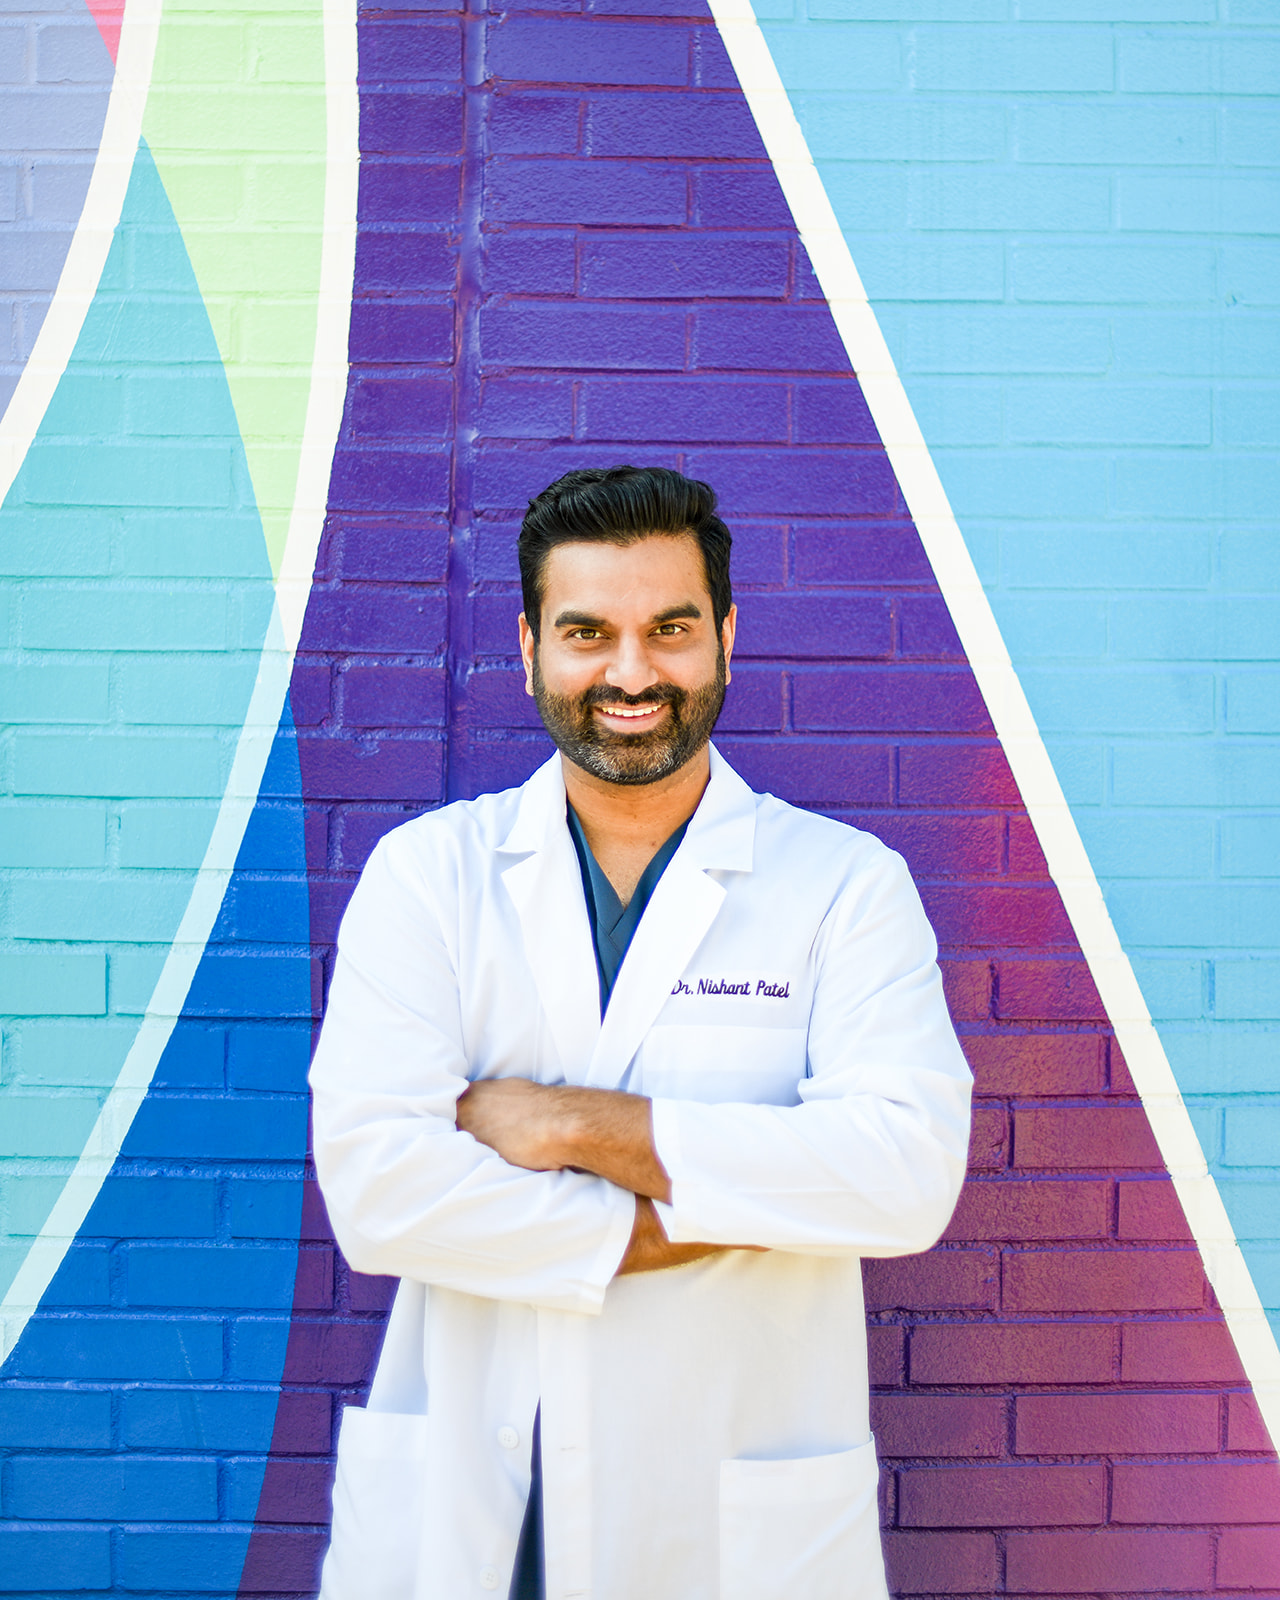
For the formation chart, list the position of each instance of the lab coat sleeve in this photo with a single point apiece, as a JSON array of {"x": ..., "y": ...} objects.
[
  {"x": 871, "y": 1161},
  {"x": 408, "y": 1194}
]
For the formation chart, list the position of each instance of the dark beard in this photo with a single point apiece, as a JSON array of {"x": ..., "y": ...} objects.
[{"x": 631, "y": 758}]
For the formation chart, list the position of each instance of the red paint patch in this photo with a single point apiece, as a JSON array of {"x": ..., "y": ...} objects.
[{"x": 109, "y": 15}]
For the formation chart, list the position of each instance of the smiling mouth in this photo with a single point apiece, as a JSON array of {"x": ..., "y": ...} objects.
[{"x": 632, "y": 713}]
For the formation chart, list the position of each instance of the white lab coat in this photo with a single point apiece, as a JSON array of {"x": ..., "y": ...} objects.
[{"x": 704, "y": 1429}]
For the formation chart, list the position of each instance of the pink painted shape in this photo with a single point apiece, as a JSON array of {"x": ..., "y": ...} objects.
[{"x": 109, "y": 15}]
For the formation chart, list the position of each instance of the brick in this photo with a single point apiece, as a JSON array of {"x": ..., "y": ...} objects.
[
  {"x": 1179, "y": 1352},
  {"x": 55, "y": 1419},
  {"x": 988, "y": 914},
  {"x": 390, "y": 697},
  {"x": 532, "y": 50},
  {"x": 1026, "y": 1211},
  {"x": 833, "y": 413},
  {"x": 688, "y": 412},
  {"x": 1051, "y": 991},
  {"x": 1017, "y": 1353},
  {"x": 939, "y": 1425},
  {"x": 684, "y": 266},
  {"x": 1036, "y": 1063},
  {"x": 1103, "y": 1280},
  {"x": 1149, "y": 1209},
  {"x": 937, "y": 1280},
  {"x": 800, "y": 625},
  {"x": 795, "y": 339},
  {"x": 989, "y": 1140},
  {"x": 366, "y": 1293},
  {"x": 1245, "y": 1428},
  {"x": 392, "y": 52},
  {"x": 806, "y": 772},
  {"x": 926, "y": 629},
  {"x": 584, "y": 192},
  {"x": 886, "y": 1346},
  {"x": 228, "y": 1128},
  {"x": 220, "y": 1419},
  {"x": 295, "y": 1492},
  {"x": 376, "y": 620},
  {"x": 333, "y": 1352},
  {"x": 1115, "y": 1424},
  {"x": 884, "y": 553},
  {"x": 382, "y": 332},
  {"x": 382, "y": 549},
  {"x": 187, "y": 1560},
  {"x": 384, "y": 407},
  {"x": 567, "y": 336},
  {"x": 43, "y": 1558},
  {"x": 1112, "y": 1138},
  {"x": 1249, "y": 1557},
  {"x": 56, "y": 982},
  {"x": 281, "y": 1559},
  {"x": 118, "y": 1349},
  {"x": 406, "y": 260},
  {"x": 967, "y": 985},
  {"x": 1108, "y": 1561},
  {"x": 107, "y": 1489},
  {"x": 413, "y": 192},
  {"x": 313, "y": 1285},
  {"x": 968, "y": 846},
  {"x": 1003, "y": 1497},
  {"x": 941, "y": 1563},
  {"x": 522, "y": 262},
  {"x": 906, "y": 702},
  {"x": 961, "y": 774},
  {"x": 512, "y": 409},
  {"x": 527, "y": 124},
  {"x": 699, "y": 126},
  {"x": 417, "y": 123},
  {"x": 225, "y": 1275},
  {"x": 1219, "y": 1491}
]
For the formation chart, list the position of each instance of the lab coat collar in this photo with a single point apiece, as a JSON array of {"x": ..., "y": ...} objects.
[{"x": 545, "y": 887}]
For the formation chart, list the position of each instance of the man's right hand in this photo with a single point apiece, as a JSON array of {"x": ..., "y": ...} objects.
[{"x": 650, "y": 1250}]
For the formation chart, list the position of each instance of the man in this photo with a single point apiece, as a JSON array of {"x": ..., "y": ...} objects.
[{"x": 622, "y": 1074}]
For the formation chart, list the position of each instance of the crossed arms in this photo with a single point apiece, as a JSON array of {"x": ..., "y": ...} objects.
[{"x": 546, "y": 1128}]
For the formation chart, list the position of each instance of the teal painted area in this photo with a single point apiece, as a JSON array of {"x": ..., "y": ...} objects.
[
  {"x": 1066, "y": 216},
  {"x": 136, "y": 584}
]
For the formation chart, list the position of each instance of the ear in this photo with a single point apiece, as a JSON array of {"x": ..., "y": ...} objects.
[
  {"x": 728, "y": 632},
  {"x": 528, "y": 644}
]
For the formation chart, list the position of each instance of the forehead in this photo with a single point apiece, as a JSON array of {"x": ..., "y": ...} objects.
[{"x": 646, "y": 576}]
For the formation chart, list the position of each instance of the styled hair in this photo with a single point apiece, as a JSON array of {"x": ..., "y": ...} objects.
[{"x": 620, "y": 505}]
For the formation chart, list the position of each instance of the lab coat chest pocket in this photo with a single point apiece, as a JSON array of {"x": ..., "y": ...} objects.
[
  {"x": 807, "y": 1527},
  {"x": 378, "y": 1499},
  {"x": 726, "y": 1062}
]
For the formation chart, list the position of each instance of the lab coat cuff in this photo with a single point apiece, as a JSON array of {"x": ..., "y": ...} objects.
[
  {"x": 613, "y": 1247},
  {"x": 667, "y": 1146}
]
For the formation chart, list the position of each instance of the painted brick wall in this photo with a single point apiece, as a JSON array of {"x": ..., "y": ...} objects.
[{"x": 572, "y": 249}]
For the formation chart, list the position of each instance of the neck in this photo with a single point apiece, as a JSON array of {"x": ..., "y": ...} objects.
[{"x": 626, "y": 824}]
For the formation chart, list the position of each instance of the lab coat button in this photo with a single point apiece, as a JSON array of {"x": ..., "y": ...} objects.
[
  {"x": 508, "y": 1438},
  {"x": 488, "y": 1577}
]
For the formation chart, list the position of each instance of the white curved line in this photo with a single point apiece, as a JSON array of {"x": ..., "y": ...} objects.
[
  {"x": 87, "y": 254},
  {"x": 320, "y": 434},
  {"x": 1069, "y": 863}
]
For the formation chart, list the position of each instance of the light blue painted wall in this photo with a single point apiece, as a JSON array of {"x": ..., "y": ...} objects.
[
  {"x": 134, "y": 628},
  {"x": 1065, "y": 213}
]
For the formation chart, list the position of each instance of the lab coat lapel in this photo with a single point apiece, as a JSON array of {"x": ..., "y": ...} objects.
[
  {"x": 545, "y": 885},
  {"x": 720, "y": 838}
]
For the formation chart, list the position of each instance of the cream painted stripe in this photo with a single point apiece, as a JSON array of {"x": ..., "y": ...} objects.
[
  {"x": 324, "y": 415},
  {"x": 87, "y": 254},
  {"x": 980, "y": 634}
]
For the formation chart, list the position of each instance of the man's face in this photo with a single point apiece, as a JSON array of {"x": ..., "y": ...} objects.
[{"x": 629, "y": 673}]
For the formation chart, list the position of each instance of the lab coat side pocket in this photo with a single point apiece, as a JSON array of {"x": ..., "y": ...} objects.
[
  {"x": 378, "y": 1496},
  {"x": 807, "y": 1527}
]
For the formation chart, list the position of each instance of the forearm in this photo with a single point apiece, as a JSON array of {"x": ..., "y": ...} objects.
[{"x": 552, "y": 1127}]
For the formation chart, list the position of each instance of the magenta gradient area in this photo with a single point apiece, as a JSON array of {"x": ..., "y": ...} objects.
[{"x": 573, "y": 250}]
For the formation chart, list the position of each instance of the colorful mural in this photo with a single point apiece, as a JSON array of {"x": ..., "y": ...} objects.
[{"x": 966, "y": 311}]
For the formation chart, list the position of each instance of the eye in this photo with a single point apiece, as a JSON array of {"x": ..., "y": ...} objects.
[
  {"x": 669, "y": 630},
  {"x": 589, "y": 634}
]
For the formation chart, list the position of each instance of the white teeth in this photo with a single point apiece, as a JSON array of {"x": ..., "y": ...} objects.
[{"x": 628, "y": 711}]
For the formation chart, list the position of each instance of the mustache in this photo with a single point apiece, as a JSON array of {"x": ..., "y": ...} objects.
[{"x": 658, "y": 694}]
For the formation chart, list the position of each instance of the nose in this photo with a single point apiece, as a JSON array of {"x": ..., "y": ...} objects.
[{"x": 630, "y": 668}]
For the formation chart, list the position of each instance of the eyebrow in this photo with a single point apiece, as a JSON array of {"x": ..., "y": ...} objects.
[{"x": 584, "y": 619}]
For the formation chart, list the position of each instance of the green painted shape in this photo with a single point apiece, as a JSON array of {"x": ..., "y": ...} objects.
[
  {"x": 236, "y": 121},
  {"x": 177, "y": 565}
]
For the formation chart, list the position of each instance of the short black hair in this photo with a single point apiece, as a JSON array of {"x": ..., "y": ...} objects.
[{"x": 619, "y": 505}]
